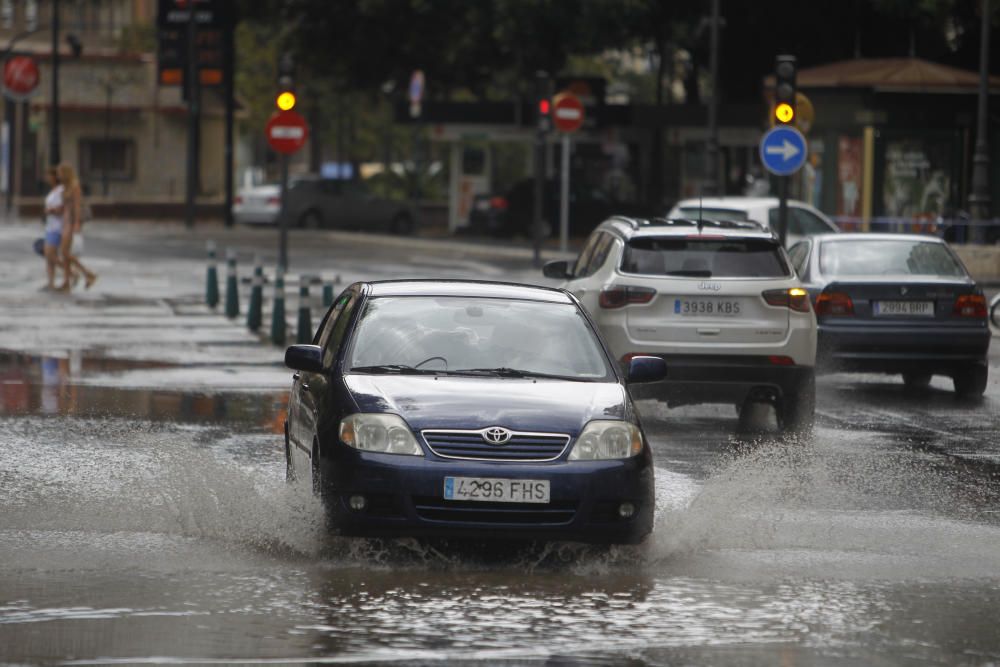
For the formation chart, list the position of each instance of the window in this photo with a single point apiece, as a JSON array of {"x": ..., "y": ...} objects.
[
  {"x": 582, "y": 262},
  {"x": 465, "y": 333},
  {"x": 799, "y": 254},
  {"x": 696, "y": 213},
  {"x": 876, "y": 257},
  {"x": 704, "y": 258},
  {"x": 111, "y": 159},
  {"x": 804, "y": 223},
  {"x": 334, "y": 326},
  {"x": 601, "y": 252}
]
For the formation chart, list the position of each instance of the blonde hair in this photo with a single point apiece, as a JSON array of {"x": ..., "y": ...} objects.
[{"x": 67, "y": 176}]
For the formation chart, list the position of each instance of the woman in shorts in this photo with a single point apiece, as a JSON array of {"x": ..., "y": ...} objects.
[
  {"x": 53, "y": 226},
  {"x": 72, "y": 237}
]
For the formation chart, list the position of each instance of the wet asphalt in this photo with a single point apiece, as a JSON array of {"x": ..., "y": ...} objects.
[{"x": 144, "y": 516}]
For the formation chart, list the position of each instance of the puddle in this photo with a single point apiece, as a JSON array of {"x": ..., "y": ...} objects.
[{"x": 77, "y": 384}]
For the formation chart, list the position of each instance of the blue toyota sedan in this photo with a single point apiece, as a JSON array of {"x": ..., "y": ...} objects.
[{"x": 469, "y": 409}]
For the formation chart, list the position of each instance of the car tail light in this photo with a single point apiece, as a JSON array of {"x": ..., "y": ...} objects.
[
  {"x": 499, "y": 203},
  {"x": 779, "y": 360},
  {"x": 795, "y": 298},
  {"x": 834, "y": 303},
  {"x": 970, "y": 305},
  {"x": 273, "y": 201},
  {"x": 621, "y": 295}
]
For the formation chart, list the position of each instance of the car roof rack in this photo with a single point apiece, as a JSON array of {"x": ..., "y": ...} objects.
[{"x": 645, "y": 223}]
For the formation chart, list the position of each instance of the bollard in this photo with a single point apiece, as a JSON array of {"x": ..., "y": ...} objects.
[
  {"x": 212, "y": 279},
  {"x": 327, "y": 293},
  {"x": 256, "y": 297},
  {"x": 278, "y": 309},
  {"x": 232, "y": 288},
  {"x": 303, "y": 328}
]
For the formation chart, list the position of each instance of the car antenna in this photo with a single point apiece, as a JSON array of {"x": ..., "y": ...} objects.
[{"x": 699, "y": 211}]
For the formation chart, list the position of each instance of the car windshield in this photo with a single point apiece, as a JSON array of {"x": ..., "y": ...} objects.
[
  {"x": 704, "y": 258},
  {"x": 866, "y": 257},
  {"x": 476, "y": 336}
]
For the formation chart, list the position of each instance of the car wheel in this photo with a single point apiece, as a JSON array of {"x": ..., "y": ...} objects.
[
  {"x": 402, "y": 225},
  {"x": 321, "y": 489},
  {"x": 798, "y": 411},
  {"x": 311, "y": 220},
  {"x": 970, "y": 381},
  {"x": 995, "y": 311},
  {"x": 916, "y": 380}
]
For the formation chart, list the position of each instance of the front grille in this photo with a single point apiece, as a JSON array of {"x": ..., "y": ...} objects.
[
  {"x": 470, "y": 511},
  {"x": 457, "y": 444}
]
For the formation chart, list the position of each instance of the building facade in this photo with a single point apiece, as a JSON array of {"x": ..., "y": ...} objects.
[{"x": 125, "y": 134}]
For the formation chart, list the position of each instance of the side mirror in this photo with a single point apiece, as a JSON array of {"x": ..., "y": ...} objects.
[
  {"x": 646, "y": 369},
  {"x": 308, "y": 358},
  {"x": 558, "y": 269}
]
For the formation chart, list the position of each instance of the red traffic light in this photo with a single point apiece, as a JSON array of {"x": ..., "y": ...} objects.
[{"x": 544, "y": 106}]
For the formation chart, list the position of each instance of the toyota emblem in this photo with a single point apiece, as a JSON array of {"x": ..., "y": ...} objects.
[{"x": 495, "y": 435}]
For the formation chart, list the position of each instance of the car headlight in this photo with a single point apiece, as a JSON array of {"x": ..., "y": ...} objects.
[
  {"x": 607, "y": 440},
  {"x": 373, "y": 432}
]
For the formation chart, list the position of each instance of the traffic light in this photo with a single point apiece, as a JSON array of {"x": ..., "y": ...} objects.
[
  {"x": 285, "y": 98},
  {"x": 544, "y": 114},
  {"x": 784, "y": 90}
]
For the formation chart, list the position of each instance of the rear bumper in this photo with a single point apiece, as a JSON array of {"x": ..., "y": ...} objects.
[
  {"x": 405, "y": 499},
  {"x": 724, "y": 379},
  {"x": 899, "y": 349}
]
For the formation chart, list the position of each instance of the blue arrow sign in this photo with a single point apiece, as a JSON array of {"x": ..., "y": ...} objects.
[{"x": 783, "y": 150}]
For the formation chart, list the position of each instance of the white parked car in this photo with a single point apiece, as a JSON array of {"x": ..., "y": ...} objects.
[
  {"x": 258, "y": 205},
  {"x": 803, "y": 219},
  {"x": 718, "y": 301}
]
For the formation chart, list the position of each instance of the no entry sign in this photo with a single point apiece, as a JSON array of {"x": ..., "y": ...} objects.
[
  {"x": 20, "y": 77},
  {"x": 287, "y": 132},
  {"x": 567, "y": 112}
]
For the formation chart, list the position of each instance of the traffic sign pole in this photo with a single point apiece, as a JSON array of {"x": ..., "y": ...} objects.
[
  {"x": 283, "y": 217},
  {"x": 564, "y": 196}
]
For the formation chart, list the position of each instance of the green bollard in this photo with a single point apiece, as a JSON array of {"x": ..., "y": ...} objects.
[
  {"x": 278, "y": 310},
  {"x": 327, "y": 293},
  {"x": 212, "y": 279},
  {"x": 254, "y": 310},
  {"x": 232, "y": 288},
  {"x": 303, "y": 329}
]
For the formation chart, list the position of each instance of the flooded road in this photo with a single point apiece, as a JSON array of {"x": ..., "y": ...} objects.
[{"x": 154, "y": 525}]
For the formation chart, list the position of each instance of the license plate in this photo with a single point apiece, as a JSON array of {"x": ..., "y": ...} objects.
[
  {"x": 488, "y": 489},
  {"x": 718, "y": 307},
  {"x": 917, "y": 308}
]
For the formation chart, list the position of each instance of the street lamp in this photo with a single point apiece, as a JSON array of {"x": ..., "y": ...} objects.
[{"x": 979, "y": 198}]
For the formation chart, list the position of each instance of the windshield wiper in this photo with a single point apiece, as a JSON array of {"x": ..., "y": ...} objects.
[
  {"x": 505, "y": 372},
  {"x": 401, "y": 369}
]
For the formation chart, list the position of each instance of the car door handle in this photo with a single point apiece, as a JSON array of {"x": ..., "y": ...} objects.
[{"x": 709, "y": 332}]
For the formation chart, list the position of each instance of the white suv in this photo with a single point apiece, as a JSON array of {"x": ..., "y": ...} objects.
[{"x": 718, "y": 300}]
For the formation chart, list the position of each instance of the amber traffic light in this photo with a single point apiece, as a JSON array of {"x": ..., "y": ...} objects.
[
  {"x": 285, "y": 100},
  {"x": 784, "y": 89},
  {"x": 784, "y": 113}
]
